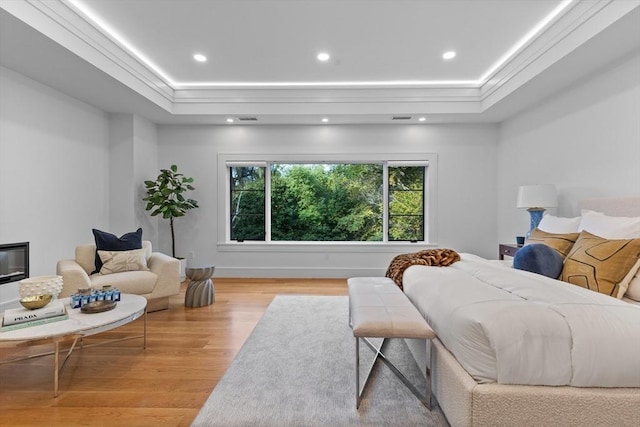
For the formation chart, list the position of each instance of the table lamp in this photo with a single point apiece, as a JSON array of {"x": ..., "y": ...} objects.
[{"x": 535, "y": 198}]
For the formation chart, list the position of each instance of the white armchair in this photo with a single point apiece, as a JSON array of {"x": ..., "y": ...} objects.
[{"x": 156, "y": 285}]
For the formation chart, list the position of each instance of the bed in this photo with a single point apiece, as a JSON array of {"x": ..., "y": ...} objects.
[{"x": 566, "y": 381}]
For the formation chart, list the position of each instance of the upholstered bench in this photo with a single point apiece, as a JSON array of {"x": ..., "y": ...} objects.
[{"x": 379, "y": 309}]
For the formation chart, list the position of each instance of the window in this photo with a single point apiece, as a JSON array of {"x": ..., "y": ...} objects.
[
  {"x": 287, "y": 201},
  {"x": 272, "y": 201},
  {"x": 247, "y": 203},
  {"x": 326, "y": 202},
  {"x": 406, "y": 203}
]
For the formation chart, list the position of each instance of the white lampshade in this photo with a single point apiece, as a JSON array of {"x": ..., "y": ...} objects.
[{"x": 537, "y": 196}]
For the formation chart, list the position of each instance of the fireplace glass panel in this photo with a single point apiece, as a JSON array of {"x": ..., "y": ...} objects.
[{"x": 14, "y": 262}]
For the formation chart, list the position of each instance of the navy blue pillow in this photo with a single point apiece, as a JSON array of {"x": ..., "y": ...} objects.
[
  {"x": 110, "y": 242},
  {"x": 540, "y": 259}
]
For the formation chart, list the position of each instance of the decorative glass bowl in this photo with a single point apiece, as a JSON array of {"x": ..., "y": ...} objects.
[
  {"x": 40, "y": 285},
  {"x": 36, "y": 301}
]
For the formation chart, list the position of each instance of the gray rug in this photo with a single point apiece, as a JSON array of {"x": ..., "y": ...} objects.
[{"x": 297, "y": 369}]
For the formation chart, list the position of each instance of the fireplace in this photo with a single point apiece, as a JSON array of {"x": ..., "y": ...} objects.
[{"x": 14, "y": 262}]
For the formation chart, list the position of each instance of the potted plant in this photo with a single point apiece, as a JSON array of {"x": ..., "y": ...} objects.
[{"x": 166, "y": 197}]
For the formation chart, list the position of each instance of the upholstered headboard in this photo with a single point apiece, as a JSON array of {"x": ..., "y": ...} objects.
[{"x": 614, "y": 206}]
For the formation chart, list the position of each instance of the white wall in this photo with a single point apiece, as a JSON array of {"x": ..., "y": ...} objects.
[
  {"x": 121, "y": 162},
  {"x": 585, "y": 140},
  {"x": 145, "y": 167},
  {"x": 466, "y": 189},
  {"x": 53, "y": 172},
  {"x": 133, "y": 158}
]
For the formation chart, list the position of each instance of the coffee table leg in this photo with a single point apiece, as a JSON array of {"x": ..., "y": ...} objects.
[
  {"x": 55, "y": 369},
  {"x": 144, "y": 336}
]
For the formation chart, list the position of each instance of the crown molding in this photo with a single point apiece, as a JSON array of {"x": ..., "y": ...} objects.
[
  {"x": 327, "y": 101},
  {"x": 63, "y": 23},
  {"x": 578, "y": 24},
  {"x": 57, "y": 20}
]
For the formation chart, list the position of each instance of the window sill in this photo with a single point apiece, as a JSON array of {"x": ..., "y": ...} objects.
[{"x": 346, "y": 247}]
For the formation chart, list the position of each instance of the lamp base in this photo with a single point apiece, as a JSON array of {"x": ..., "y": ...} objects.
[{"x": 536, "y": 216}]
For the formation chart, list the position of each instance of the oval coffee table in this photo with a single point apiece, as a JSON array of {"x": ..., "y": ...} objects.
[{"x": 77, "y": 326}]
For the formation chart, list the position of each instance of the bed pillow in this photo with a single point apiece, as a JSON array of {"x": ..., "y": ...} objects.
[
  {"x": 539, "y": 258},
  {"x": 600, "y": 264},
  {"x": 610, "y": 227},
  {"x": 562, "y": 243},
  {"x": 120, "y": 261},
  {"x": 110, "y": 242},
  {"x": 556, "y": 224}
]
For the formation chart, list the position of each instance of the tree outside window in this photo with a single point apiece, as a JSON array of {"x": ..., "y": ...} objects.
[
  {"x": 247, "y": 203},
  {"x": 327, "y": 202}
]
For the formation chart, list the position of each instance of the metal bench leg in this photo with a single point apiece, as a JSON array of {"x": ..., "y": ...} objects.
[
  {"x": 360, "y": 391},
  {"x": 424, "y": 399},
  {"x": 357, "y": 372},
  {"x": 429, "y": 370}
]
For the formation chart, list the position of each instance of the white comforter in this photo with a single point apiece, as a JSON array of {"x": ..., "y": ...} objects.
[{"x": 514, "y": 327}]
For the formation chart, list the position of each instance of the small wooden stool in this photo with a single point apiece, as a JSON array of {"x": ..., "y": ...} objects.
[
  {"x": 200, "y": 290},
  {"x": 379, "y": 309}
]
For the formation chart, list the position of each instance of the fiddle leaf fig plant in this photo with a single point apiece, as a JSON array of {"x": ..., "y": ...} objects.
[{"x": 166, "y": 196}]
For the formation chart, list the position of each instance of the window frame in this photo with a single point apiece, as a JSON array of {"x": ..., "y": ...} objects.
[
  {"x": 231, "y": 191},
  {"x": 225, "y": 160},
  {"x": 386, "y": 196}
]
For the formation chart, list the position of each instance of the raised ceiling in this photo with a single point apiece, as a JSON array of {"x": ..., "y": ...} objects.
[
  {"x": 386, "y": 56},
  {"x": 276, "y": 42}
]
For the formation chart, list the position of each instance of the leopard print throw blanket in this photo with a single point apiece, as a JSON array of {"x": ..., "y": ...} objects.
[{"x": 431, "y": 257}]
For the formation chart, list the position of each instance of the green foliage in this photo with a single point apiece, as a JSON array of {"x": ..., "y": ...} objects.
[
  {"x": 329, "y": 202},
  {"x": 247, "y": 203},
  {"x": 340, "y": 202},
  {"x": 166, "y": 196},
  {"x": 406, "y": 203}
]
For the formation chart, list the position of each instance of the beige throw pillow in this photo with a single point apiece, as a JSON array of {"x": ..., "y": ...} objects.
[
  {"x": 562, "y": 243},
  {"x": 119, "y": 261},
  {"x": 600, "y": 264}
]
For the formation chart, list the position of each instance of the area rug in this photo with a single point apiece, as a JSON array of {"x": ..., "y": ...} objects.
[{"x": 297, "y": 369}]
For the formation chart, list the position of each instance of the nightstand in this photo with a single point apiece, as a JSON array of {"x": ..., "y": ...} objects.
[{"x": 507, "y": 249}]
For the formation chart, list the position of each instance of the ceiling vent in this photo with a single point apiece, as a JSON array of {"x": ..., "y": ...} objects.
[
  {"x": 401, "y": 118},
  {"x": 248, "y": 119}
]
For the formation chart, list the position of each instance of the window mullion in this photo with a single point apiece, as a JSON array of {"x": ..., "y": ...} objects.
[
  {"x": 385, "y": 202},
  {"x": 425, "y": 222},
  {"x": 267, "y": 202},
  {"x": 229, "y": 204}
]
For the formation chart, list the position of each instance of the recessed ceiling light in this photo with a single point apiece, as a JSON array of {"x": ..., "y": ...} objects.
[
  {"x": 323, "y": 56},
  {"x": 325, "y": 120},
  {"x": 449, "y": 55},
  {"x": 422, "y": 119},
  {"x": 229, "y": 120},
  {"x": 200, "y": 57}
]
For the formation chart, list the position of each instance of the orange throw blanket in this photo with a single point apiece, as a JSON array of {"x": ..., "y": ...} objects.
[{"x": 431, "y": 257}]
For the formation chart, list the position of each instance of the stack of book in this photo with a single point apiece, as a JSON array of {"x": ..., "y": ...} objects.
[{"x": 17, "y": 318}]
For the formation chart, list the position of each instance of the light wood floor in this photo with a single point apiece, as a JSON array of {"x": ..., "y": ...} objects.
[{"x": 188, "y": 351}]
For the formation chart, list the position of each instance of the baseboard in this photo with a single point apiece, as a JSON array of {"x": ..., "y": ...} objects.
[{"x": 297, "y": 272}]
